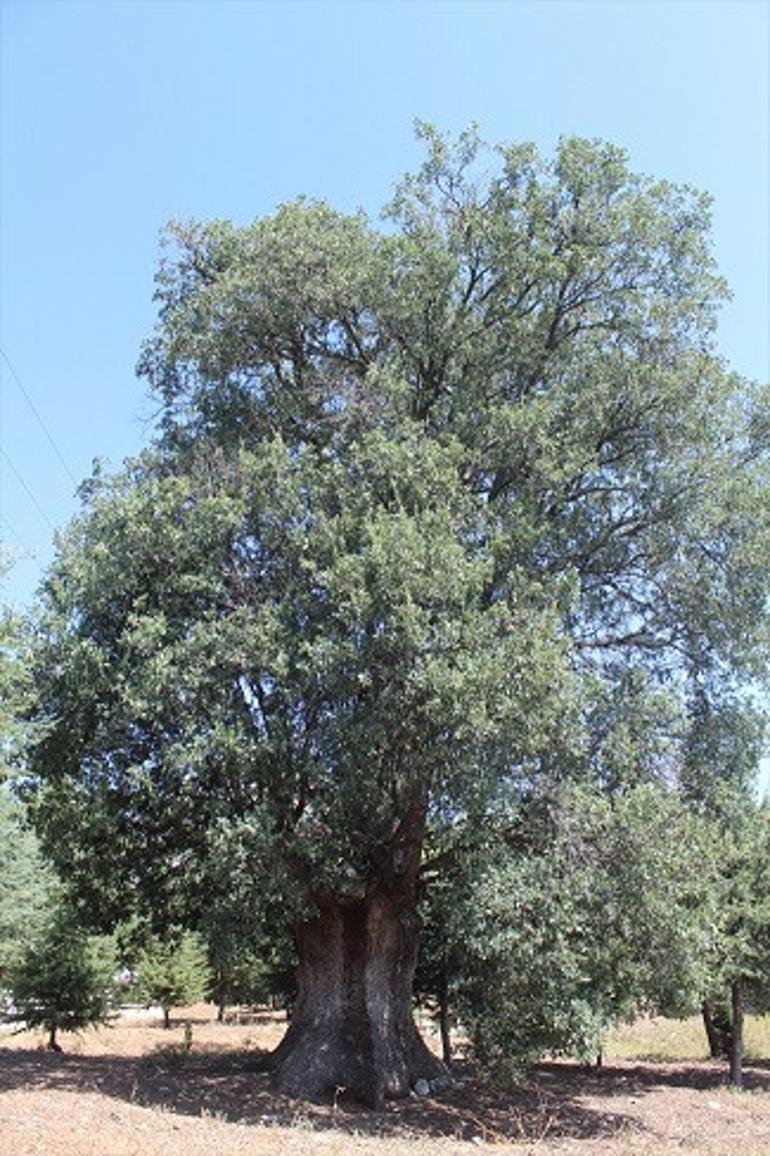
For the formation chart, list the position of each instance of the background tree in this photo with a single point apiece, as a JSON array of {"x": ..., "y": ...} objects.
[
  {"x": 249, "y": 964},
  {"x": 740, "y": 975},
  {"x": 590, "y": 910},
  {"x": 725, "y": 742},
  {"x": 439, "y": 963},
  {"x": 27, "y": 886},
  {"x": 172, "y": 971},
  {"x": 239, "y": 974},
  {"x": 26, "y": 882},
  {"x": 423, "y": 498},
  {"x": 63, "y": 981},
  {"x": 14, "y": 678}
]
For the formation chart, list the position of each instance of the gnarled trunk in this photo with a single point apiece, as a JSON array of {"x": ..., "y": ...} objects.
[{"x": 352, "y": 1027}]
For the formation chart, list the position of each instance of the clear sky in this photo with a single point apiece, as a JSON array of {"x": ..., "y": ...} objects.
[{"x": 117, "y": 116}]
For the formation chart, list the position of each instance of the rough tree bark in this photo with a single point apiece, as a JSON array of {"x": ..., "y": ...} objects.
[{"x": 352, "y": 1027}]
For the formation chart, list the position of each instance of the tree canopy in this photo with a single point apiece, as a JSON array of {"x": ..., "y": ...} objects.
[{"x": 440, "y": 511}]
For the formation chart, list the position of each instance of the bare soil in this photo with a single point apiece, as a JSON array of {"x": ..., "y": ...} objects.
[{"x": 133, "y": 1090}]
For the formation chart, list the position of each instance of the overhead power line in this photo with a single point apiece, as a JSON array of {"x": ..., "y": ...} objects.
[
  {"x": 40, "y": 421},
  {"x": 10, "y": 528},
  {"x": 29, "y": 492},
  {"x": 13, "y": 532}
]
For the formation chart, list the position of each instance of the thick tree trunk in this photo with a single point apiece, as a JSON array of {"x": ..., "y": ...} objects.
[
  {"x": 736, "y": 1042},
  {"x": 352, "y": 1028}
]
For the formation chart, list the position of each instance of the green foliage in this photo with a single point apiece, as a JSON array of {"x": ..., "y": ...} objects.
[
  {"x": 742, "y": 949},
  {"x": 239, "y": 978},
  {"x": 441, "y": 516},
  {"x": 249, "y": 963},
  {"x": 172, "y": 971},
  {"x": 27, "y": 886},
  {"x": 600, "y": 909},
  {"x": 14, "y": 684},
  {"x": 234, "y": 718},
  {"x": 725, "y": 743},
  {"x": 63, "y": 981},
  {"x": 739, "y": 979}
]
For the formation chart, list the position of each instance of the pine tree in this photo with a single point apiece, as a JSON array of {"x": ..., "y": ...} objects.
[
  {"x": 173, "y": 971},
  {"x": 63, "y": 981}
]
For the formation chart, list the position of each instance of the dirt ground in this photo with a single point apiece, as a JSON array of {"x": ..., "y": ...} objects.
[{"x": 132, "y": 1090}]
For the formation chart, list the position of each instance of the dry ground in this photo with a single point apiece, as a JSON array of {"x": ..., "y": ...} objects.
[{"x": 131, "y": 1090}]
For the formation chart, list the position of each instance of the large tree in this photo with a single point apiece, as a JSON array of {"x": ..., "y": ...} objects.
[{"x": 431, "y": 506}]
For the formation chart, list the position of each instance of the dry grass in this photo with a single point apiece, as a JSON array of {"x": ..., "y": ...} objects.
[
  {"x": 663, "y": 1039},
  {"x": 131, "y": 1090}
]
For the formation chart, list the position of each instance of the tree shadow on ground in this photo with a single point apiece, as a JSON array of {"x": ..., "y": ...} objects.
[{"x": 234, "y": 1087}]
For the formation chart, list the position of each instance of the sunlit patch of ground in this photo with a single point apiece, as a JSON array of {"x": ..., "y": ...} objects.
[{"x": 664, "y": 1039}]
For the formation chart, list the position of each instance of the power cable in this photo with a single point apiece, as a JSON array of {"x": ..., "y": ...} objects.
[
  {"x": 40, "y": 421},
  {"x": 32, "y": 497},
  {"x": 14, "y": 532}
]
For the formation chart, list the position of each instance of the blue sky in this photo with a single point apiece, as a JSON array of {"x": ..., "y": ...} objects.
[{"x": 117, "y": 116}]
